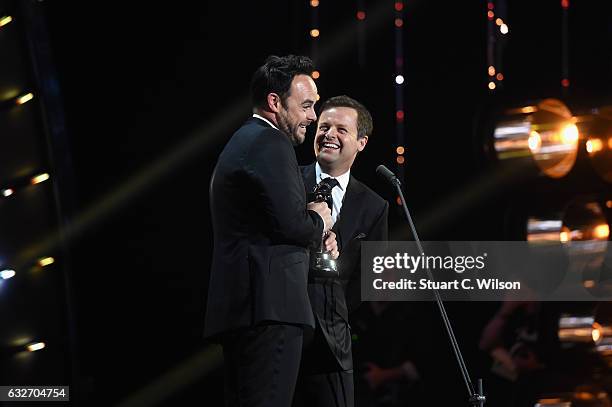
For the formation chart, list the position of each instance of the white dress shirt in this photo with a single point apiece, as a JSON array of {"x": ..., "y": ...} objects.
[
  {"x": 265, "y": 120},
  {"x": 338, "y": 192}
]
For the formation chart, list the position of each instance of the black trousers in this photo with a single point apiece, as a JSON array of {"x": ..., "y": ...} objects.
[
  {"x": 333, "y": 389},
  {"x": 320, "y": 382},
  {"x": 261, "y": 365}
]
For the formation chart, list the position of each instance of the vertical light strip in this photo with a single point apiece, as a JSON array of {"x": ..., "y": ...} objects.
[
  {"x": 314, "y": 30},
  {"x": 565, "y": 82},
  {"x": 361, "y": 36},
  {"x": 491, "y": 70},
  {"x": 398, "y": 82}
]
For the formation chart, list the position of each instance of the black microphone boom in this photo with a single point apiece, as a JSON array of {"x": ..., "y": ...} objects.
[
  {"x": 388, "y": 175},
  {"x": 476, "y": 396}
]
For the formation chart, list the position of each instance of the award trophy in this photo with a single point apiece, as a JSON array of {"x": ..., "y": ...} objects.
[{"x": 322, "y": 260}]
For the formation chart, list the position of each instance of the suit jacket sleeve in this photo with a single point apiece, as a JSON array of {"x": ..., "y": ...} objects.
[{"x": 272, "y": 165}]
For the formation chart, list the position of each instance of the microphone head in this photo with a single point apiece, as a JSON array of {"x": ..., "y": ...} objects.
[{"x": 386, "y": 173}]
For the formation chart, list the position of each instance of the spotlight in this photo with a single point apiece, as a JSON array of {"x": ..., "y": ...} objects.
[
  {"x": 579, "y": 221},
  {"x": 33, "y": 347},
  {"x": 39, "y": 178},
  {"x": 579, "y": 329},
  {"x": 581, "y": 232},
  {"x": 45, "y": 261},
  {"x": 598, "y": 134},
  {"x": 5, "y": 20},
  {"x": 24, "y": 99},
  {"x": 544, "y": 133}
]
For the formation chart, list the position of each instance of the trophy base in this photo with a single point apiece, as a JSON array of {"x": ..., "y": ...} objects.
[{"x": 324, "y": 262}]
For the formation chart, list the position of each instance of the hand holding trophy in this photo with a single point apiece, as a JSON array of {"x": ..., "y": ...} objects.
[{"x": 322, "y": 260}]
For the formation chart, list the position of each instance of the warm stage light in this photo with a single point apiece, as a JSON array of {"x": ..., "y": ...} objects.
[
  {"x": 400, "y": 150},
  {"x": 597, "y": 129},
  {"x": 579, "y": 329},
  {"x": 596, "y": 333},
  {"x": 581, "y": 220},
  {"x": 24, "y": 99},
  {"x": 399, "y": 6},
  {"x": 39, "y": 178},
  {"x": 314, "y": 33},
  {"x": 594, "y": 145},
  {"x": 545, "y": 134},
  {"x": 499, "y": 76},
  {"x": 399, "y": 22},
  {"x": 491, "y": 70},
  {"x": 490, "y": 15},
  {"x": 534, "y": 141},
  {"x": 314, "y": 3},
  {"x": 5, "y": 20},
  {"x": 46, "y": 261},
  {"x": 361, "y": 15},
  {"x": 315, "y": 74},
  {"x": 400, "y": 159},
  {"x": 601, "y": 232},
  {"x": 33, "y": 347},
  {"x": 499, "y": 21},
  {"x": 491, "y": 85}
]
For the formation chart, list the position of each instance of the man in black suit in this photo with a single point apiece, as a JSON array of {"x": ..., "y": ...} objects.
[
  {"x": 326, "y": 374},
  {"x": 257, "y": 301}
]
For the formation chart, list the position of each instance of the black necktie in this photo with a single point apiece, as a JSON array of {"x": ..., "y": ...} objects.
[{"x": 329, "y": 184}]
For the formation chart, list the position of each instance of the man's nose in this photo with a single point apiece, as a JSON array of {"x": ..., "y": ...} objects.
[{"x": 311, "y": 115}]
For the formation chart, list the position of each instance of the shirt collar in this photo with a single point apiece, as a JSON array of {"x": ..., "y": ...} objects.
[
  {"x": 342, "y": 179},
  {"x": 265, "y": 120}
]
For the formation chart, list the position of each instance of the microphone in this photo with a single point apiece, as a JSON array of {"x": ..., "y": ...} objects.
[{"x": 387, "y": 174}]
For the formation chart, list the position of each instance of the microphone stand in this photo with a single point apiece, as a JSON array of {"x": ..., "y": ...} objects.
[{"x": 476, "y": 398}]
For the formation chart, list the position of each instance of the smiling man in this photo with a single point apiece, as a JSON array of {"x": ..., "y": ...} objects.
[
  {"x": 257, "y": 300},
  {"x": 326, "y": 374}
]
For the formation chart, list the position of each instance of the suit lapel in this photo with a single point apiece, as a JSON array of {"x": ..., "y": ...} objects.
[
  {"x": 310, "y": 177},
  {"x": 349, "y": 213}
]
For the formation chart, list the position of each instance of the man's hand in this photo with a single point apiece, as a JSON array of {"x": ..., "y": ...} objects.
[
  {"x": 322, "y": 209},
  {"x": 331, "y": 245}
]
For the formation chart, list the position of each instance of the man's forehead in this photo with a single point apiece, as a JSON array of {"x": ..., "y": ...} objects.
[
  {"x": 304, "y": 85},
  {"x": 345, "y": 114}
]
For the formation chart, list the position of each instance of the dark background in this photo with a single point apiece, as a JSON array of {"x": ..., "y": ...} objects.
[{"x": 141, "y": 78}]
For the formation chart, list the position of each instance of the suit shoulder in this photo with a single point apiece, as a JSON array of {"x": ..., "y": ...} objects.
[{"x": 264, "y": 133}]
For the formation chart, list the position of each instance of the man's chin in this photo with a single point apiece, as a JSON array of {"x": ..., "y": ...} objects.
[
  {"x": 325, "y": 158},
  {"x": 298, "y": 139}
]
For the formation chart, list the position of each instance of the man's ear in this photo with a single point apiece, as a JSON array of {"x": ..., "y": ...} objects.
[
  {"x": 274, "y": 102},
  {"x": 362, "y": 143}
]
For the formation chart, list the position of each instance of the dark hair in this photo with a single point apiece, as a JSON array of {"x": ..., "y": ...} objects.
[
  {"x": 275, "y": 76},
  {"x": 364, "y": 118}
]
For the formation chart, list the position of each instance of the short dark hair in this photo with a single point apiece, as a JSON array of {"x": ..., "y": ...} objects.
[
  {"x": 275, "y": 76},
  {"x": 364, "y": 118}
]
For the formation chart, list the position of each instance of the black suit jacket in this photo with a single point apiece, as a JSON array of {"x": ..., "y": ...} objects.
[
  {"x": 363, "y": 216},
  {"x": 261, "y": 231}
]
